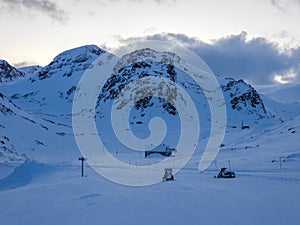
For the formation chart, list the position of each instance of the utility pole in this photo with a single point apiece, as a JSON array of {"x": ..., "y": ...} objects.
[{"x": 82, "y": 159}]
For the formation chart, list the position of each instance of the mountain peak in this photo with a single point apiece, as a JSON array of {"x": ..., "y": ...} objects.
[
  {"x": 70, "y": 61},
  {"x": 243, "y": 97},
  {"x": 83, "y": 50},
  {"x": 148, "y": 55},
  {"x": 8, "y": 72}
]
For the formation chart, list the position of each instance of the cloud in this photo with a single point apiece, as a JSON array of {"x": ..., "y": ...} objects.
[
  {"x": 165, "y": 1},
  {"x": 24, "y": 64},
  {"x": 157, "y": 1},
  {"x": 257, "y": 60},
  {"x": 286, "y": 77},
  {"x": 47, "y": 7},
  {"x": 168, "y": 2},
  {"x": 284, "y": 5}
]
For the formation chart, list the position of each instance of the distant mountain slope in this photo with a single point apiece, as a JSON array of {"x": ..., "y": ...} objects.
[
  {"x": 282, "y": 101},
  {"x": 29, "y": 70},
  {"x": 288, "y": 93}
]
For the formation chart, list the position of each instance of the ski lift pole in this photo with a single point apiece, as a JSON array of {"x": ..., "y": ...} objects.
[
  {"x": 82, "y": 159},
  {"x": 281, "y": 161},
  {"x": 229, "y": 165},
  {"x": 215, "y": 162}
]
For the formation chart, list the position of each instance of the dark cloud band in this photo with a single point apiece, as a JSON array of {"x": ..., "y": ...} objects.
[
  {"x": 47, "y": 7},
  {"x": 258, "y": 60}
]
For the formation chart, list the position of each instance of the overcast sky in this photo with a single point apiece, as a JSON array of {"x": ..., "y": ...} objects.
[{"x": 256, "y": 40}]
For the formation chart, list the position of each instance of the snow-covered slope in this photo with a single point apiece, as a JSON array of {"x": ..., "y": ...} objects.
[
  {"x": 282, "y": 101},
  {"x": 26, "y": 134},
  {"x": 289, "y": 93}
]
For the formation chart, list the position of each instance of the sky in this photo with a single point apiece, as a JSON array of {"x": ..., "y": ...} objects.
[{"x": 257, "y": 40}]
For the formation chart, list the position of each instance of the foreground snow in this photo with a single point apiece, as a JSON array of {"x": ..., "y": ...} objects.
[{"x": 56, "y": 194}]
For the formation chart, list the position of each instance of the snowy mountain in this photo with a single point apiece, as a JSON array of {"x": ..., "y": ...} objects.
[
  {"x": 9, "y": 73},
  {"x": 69, "y": 62},
  {"x": 46, "y": 99},
  {"x": 243, "y": 101},
  {"x": 44, "y": 103}
]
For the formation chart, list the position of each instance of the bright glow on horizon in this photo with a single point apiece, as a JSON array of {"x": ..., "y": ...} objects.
[{"x": 285, "y": 78}]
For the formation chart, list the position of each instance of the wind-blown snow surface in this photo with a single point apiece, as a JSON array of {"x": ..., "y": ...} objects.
[
  {"x": 63, "y": 197},
  {"x": 35, "y": 122}
]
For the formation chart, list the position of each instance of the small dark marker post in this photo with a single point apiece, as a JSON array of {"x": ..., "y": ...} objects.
[{"x": 82, "y": 160}]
